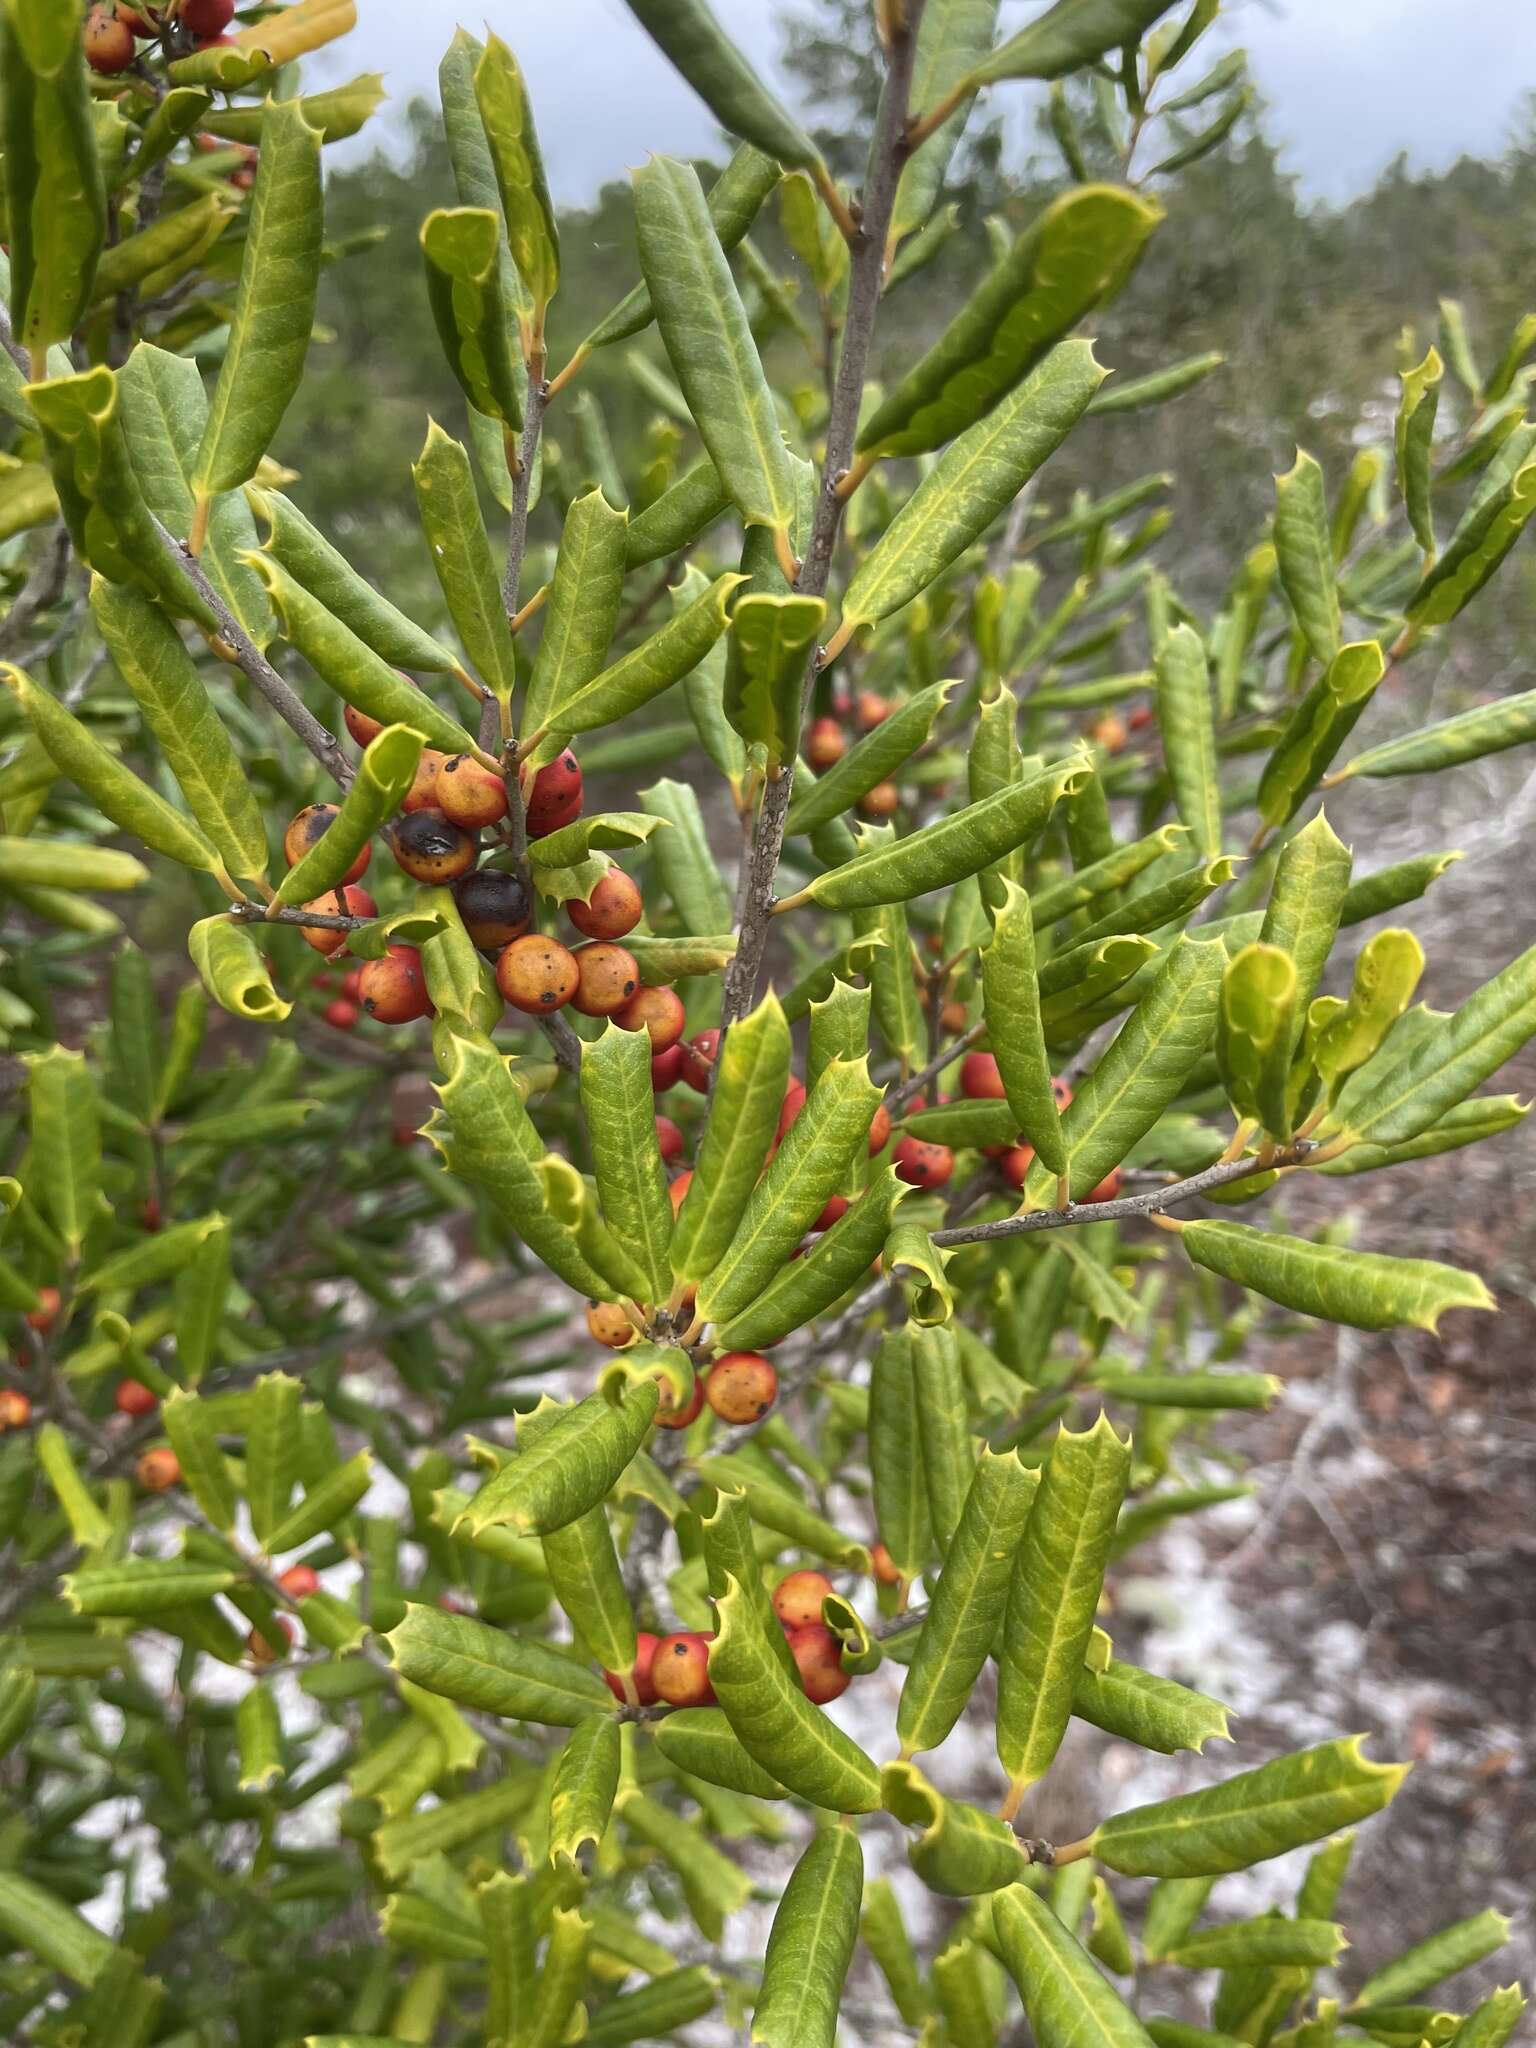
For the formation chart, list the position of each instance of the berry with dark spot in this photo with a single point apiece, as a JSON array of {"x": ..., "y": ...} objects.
[
  {"x": 1061, "y": 1091},
  {"x": 311, "y": 824},
  {"x": 394, "y": 989},
  {"x": 422, "y": 794},
  {"x": 134, "y": 1398},
  {"x": 797, "y": 1599},
  {"x": 349, "y": 901},
  {"x": 608, "y": 976},
  {"x": 613, "y": 908},
  {"x": 607, "y": 1322},
  {"x": 537, "y": 975},
  {"x": 431, "y": 848},
  {"x": 922, "y": 1165},
  {"x": 818, "y": 1659},
  {"x": 495, "y": 907},
  {"x": 469, "y": 794},
  {"x": 108, "y": 41},
  {"x": 555, "y": 796},
  {"x": 658, "y": 1012},
  {"x": 680, "y": 1670},
  {"x": 741, "y": 1386}
]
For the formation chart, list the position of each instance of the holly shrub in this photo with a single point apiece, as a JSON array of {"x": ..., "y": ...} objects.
[{"x": 422, "y": 1705}]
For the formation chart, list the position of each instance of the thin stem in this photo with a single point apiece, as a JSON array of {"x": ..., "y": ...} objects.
[
  {"x": 522, "y": 485},
  {"x": 898, "y": 1099},
  {"x": 887, "y": 156},
  {"x": 1217, "y": 1176}
]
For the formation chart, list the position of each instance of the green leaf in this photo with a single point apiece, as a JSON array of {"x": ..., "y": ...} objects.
[
  {"x": 1414, "y": 439},
  {"x": 1186, "y": 719},
  {"x": 961, "y": 1623},
  {"x": 708, "y": 340},
  {"x": 654, "y": 2011},
  {"x": 962, "y": 1851},
  {"x": 1268, "y": 1940},
  {"x": 1386, "y": 975},
  {"x": 1254, "y": 1034},
  {"x": 55, "y": 202},
  {"x": 1491, "y": 2024},
  {"x": 953, "y": 37},
  {"x": 586, "y": 1779},
  {"x": 684, "y": 510},
  {"x": 873, "y": 760},
  {"x": 1306, "y": 902},
  {"x": 1053, "y": 1596},
  {"x": 977, "y": 477},
  {"x": 777, "y": 1725},
  {"x": 772, "y": 638},
  {"x": 532, "y": 233},
  {"x": 897, "y": 870},
  {"x": 897, "y": 997},
  {"x": 201, "y": 1293},
  {"x": 572, "y": 1465},
  {"x": 462, "y": 250},
  {"x": 1484, "y": 729},
  {"x": 1143, "y": 1070},
  {"x": 1366, "y": 1290},
  {"x": 178, "y": 239},
  {"x": 1304, "y": 546},
  {"x": 271, "y": 1450},
  {"x": 259, "y": 1740},
  {"x": 1485, "y": 1116},
  {"x": 1251, "y": 1817},
  {"x": 583, "y": 606},
  {"x": 811, "y": 1943},
  {"x": 197, "y": 747},
  {"x": 34, "y": 1919},
  {"x": 87, "y": 1524},
  {"x": 64, "y": 1123},
  {"x": 685, "y": 862},
  {"x": 1103, "y": 876},
  {"x": 745, "y": 1101},
  {"x": 1011, "y": 1005},
  {"x": 234, "y": 972},
  {"x": 143, "y": 1585},
  {"x": 275, "y": 308},
  {"x": 1066, "y": 2000},
  {"x": 1317, "y": 728},
  {"x": 899, "y": 1480},
  {"x": 1140, "y": 1707},
  {"x": 644, "y": 672},
  {"x": 1080, "y": 251},
  {"x": 802, "y": 1289},
  {"x": 701, "y": 1741},
  {"x": 322, "y": 1506},
  {"x": 189, "y": 1424},
  {"x": 1445, "y": 1954},
  {"x": 478, "y": 1666},
  {"x": 18, "y": 1704},
  {"x": 1065, "y": 38},
  {"x": 808, "y": 1167},
  {"x": 1488, "y": 530},
  {"x": 916, "y": 1264},
  {"x": 461, "y": 555},
  {"x": 688, "y": 34},
  {"x": 348, "y": 665},
  {"x": 619, "y": 1106},
  {"x": 384, "y": 777},
  {"x": 1158, "y": 387}
]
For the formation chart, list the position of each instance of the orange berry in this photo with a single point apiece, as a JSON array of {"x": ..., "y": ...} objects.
[
  {"x": 679, "y": 1189},
  {"x": 818, "y": 1659},
  {"x": 46, "y": 1314},
  {"x": 883, "y": 1565},
  {"x": 537, "y": 975},
  {"x": 882, "y": 801},
  {"x": 348, "y": 901},
  {"x": 613, "y": 908},
  {"x": 470, "y": 794},
  {"x": 362, "y": 728},
  {"x": 608, "y": 976},
  {"x": 1108, "y": 732},
  {"x": 680, "y": 1670},
  {"x": 394, "y": 989},
  {"x": 741, "y": 1386},
  {"x": 825, "y": 744},
  {"x": 494, "y": 906},
  {"x": 15, "y": 1410},
  {"x": 669, "y": 1415},
  {"x": 422, "y": 794},
  {"x": 158, "y": 1470},
  {"x": 134, "y": 1398},
  {"x": 922, "y": 1165},
  {"x": 108, "y": 41},
  {"x": 299, "y": 1581},
  {"x": 608, "y": 1323},
  {"x": 658, "y": 1011},
  {"x": 1109, "y": 1188},
  {"x": 431, "y": 848},
  {"x": 797, "y": 1599},
  {"x": 954, "y": 1017},
  {"x": 555, "y": 797},
  {"x": 261, "y": 1646},
  {"x": 311, "y": 824},
  {"x": 794, "y": 1102},
  {"x": 871, "y": 709}
]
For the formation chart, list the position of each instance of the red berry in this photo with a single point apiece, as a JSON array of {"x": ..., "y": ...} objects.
[
  {"x": 669, "y": 1139},
  {"x": 883, "y": 801},
  {"x": 608, "y": 977},
  {"x": 837, "y": 1206},
  {"x": 46, "y": 1314},
  {"x": 818, "y": 1659},
  {"x": 342, "y": 1015},
  {"x": 825, "y": 744},
  {"x": 470, "y": 794},
  {"x": 1140, "y": 717},
  {"x": 394, "y": 989},
  {"x": 207, "y": 17},
  {"x": 537, "y": 975},
  {"x": 358, "y": 723},
  {"x": 134, "y": 1398},
  {"x": 669, "y": 1415},
  {"x": 1015, "y": 1163},
  {"x": 299, "y": 1581},
  {"x": 879, "y": 1130},
  {"x": 680, "y": 1670},
  {"x": 555, "y": 798},
  {"x": 658, "y": 1011},
  {"x": 613, "y": 908},
  {"x": 641, "y": 1672},
  {"x": 108, "y": 41},
  {"x": 980, "y": 1079},
  {"x": 794, "y": 1102},
  {"x": 422, "y": 794},
  {"x": 797, "y": 1599},
  {"x": 698, "y": 1059},
  {"x": 311, "y": 824},
  {"x": 270, "y": 1643},
  {"x": 741, "y": 1386},
  {"x": 922, "y": 1165},
  {"x": 1061, "y": 1091},
  {"x": 1109, "y": 1188},
  {"x": 351, "y": 984},
  {"x": 666, "y": 1069}
]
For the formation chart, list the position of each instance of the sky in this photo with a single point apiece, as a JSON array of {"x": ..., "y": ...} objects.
[{"x": 1349, "y": 82}]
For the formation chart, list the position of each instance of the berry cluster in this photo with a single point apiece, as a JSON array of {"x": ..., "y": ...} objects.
[
  {"x": 674, "y": 1670},
  {"x": 113, "y": 32}
]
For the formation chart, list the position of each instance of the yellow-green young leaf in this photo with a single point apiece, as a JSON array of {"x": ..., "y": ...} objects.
[
  {"x": 1079, "y": 251},
  {"x": 939, "y": 1401},
  {"x": 776, "y": 1724},
  {"x": 1491, "y": 2024},
  {"x": 482, "y": 1667},
  {"x": 1251, "y": 1817},
  {"x": 1488, "y": 530},
  {"x": 1306, "y": 902},
  {"x": 1054, "y": 1593},
  {"x": 586, "y": 1779},
  {"x": 322, "y": 1506},
  {"x": 1254, "y": 1032},
  {"x": 809, "y": 1166},
  {"x": 275, "y": 307},
  {"x": 532, "y": 235},
  {"x": 461, "y": 248},
  {"x": 1444, "y": 1954},
  {"x": 803, "y": 1288},
  {"x": 897, "y": 870},
  {"x": 1167, "y": 902},
  {"x": 271, "y": 1450},
  {"x": 1317, "y": 728},
  {"x": 961, "y": 1623},
  {"x": 643, "y": 673},
  {"x": 709, "y": 342},
  {"x": 1366, "y": 1290},
  {"x": 745, "y": 1102},
  {"x": 874, "y": 759},
  {"x": 685, "y": 862},
  {"x": 152, "y": 1258},
  {"x": 1485, "y": 729},
  {"x": 259, "y": 1740},
  {"x": 55, "y": 199},
  {"x": 1186, "y": 719},
  {"x": 1100, "y": 877},
  {"x": 582, "y": 609},
  {"x": 1010, "y": 985},
  {"x": 87, "y": 1524},
  {"x": 486, "y": 1137},
  {"x": 954, "y": 36},
  {"x": 200, "y": 1293},
  {"x": 701, "y": 1741},
  {"x": 189, "y": 1424},
  {"x": 812, "y": 234},
  {"x": 1144, "y": 1069},
  {"x": 912, "y": 1259},
  {"x": 619, "y": 1105},
  {"x": 461, "y": 555},
  {"x": 1267, "y": 1941},
  {"x": 1066, "y": 1999},
  {"x": 400, "y": 1844},
  {"x": 811, "y": 1943},
  {"x": 1414, "y": 439},
  {"x": 885, "y": 1936},
  {"x": 574, "y": 843},
  {"x": 977, "y": 477},
  {"x": 67, "y": 864},
  {"x": 325, "y": 572},
  {"x": 101, "y": 498},
  {"x": 899, "y": 1480},
  {"x": 233, "y": 970},
  {"x": 1067, "y": 36},
  {"x": 173, "y": 243},
  {"x": 713, "y": 1885},
  {"x": 384, "y": 776},
  {"x": 772, "y": 638},
  {"x": 27, "y": 498},
  {"x": 693, "y": 41},
  {"x": 1304, "y": 547},
  {"x": 33, "y": 1919},
  {"x": 573, "y": 1209},
  {"x": 64, "y": 1123},
  {"x": 961, "y": 1851},
  {"x": 506, "y": 1918},
  {"x": 198, "y": 750},
  {"x": 571, "y": 1466},
  {"x": 1108, "y": 1941},
  {"x": 1386, "y": 975},
  {"x": 839, "y": 1028},
  {"x": 1173, "y": 1907},
  {"x": 346, "y": 663},
  {"x": 338, "y": 113}
]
